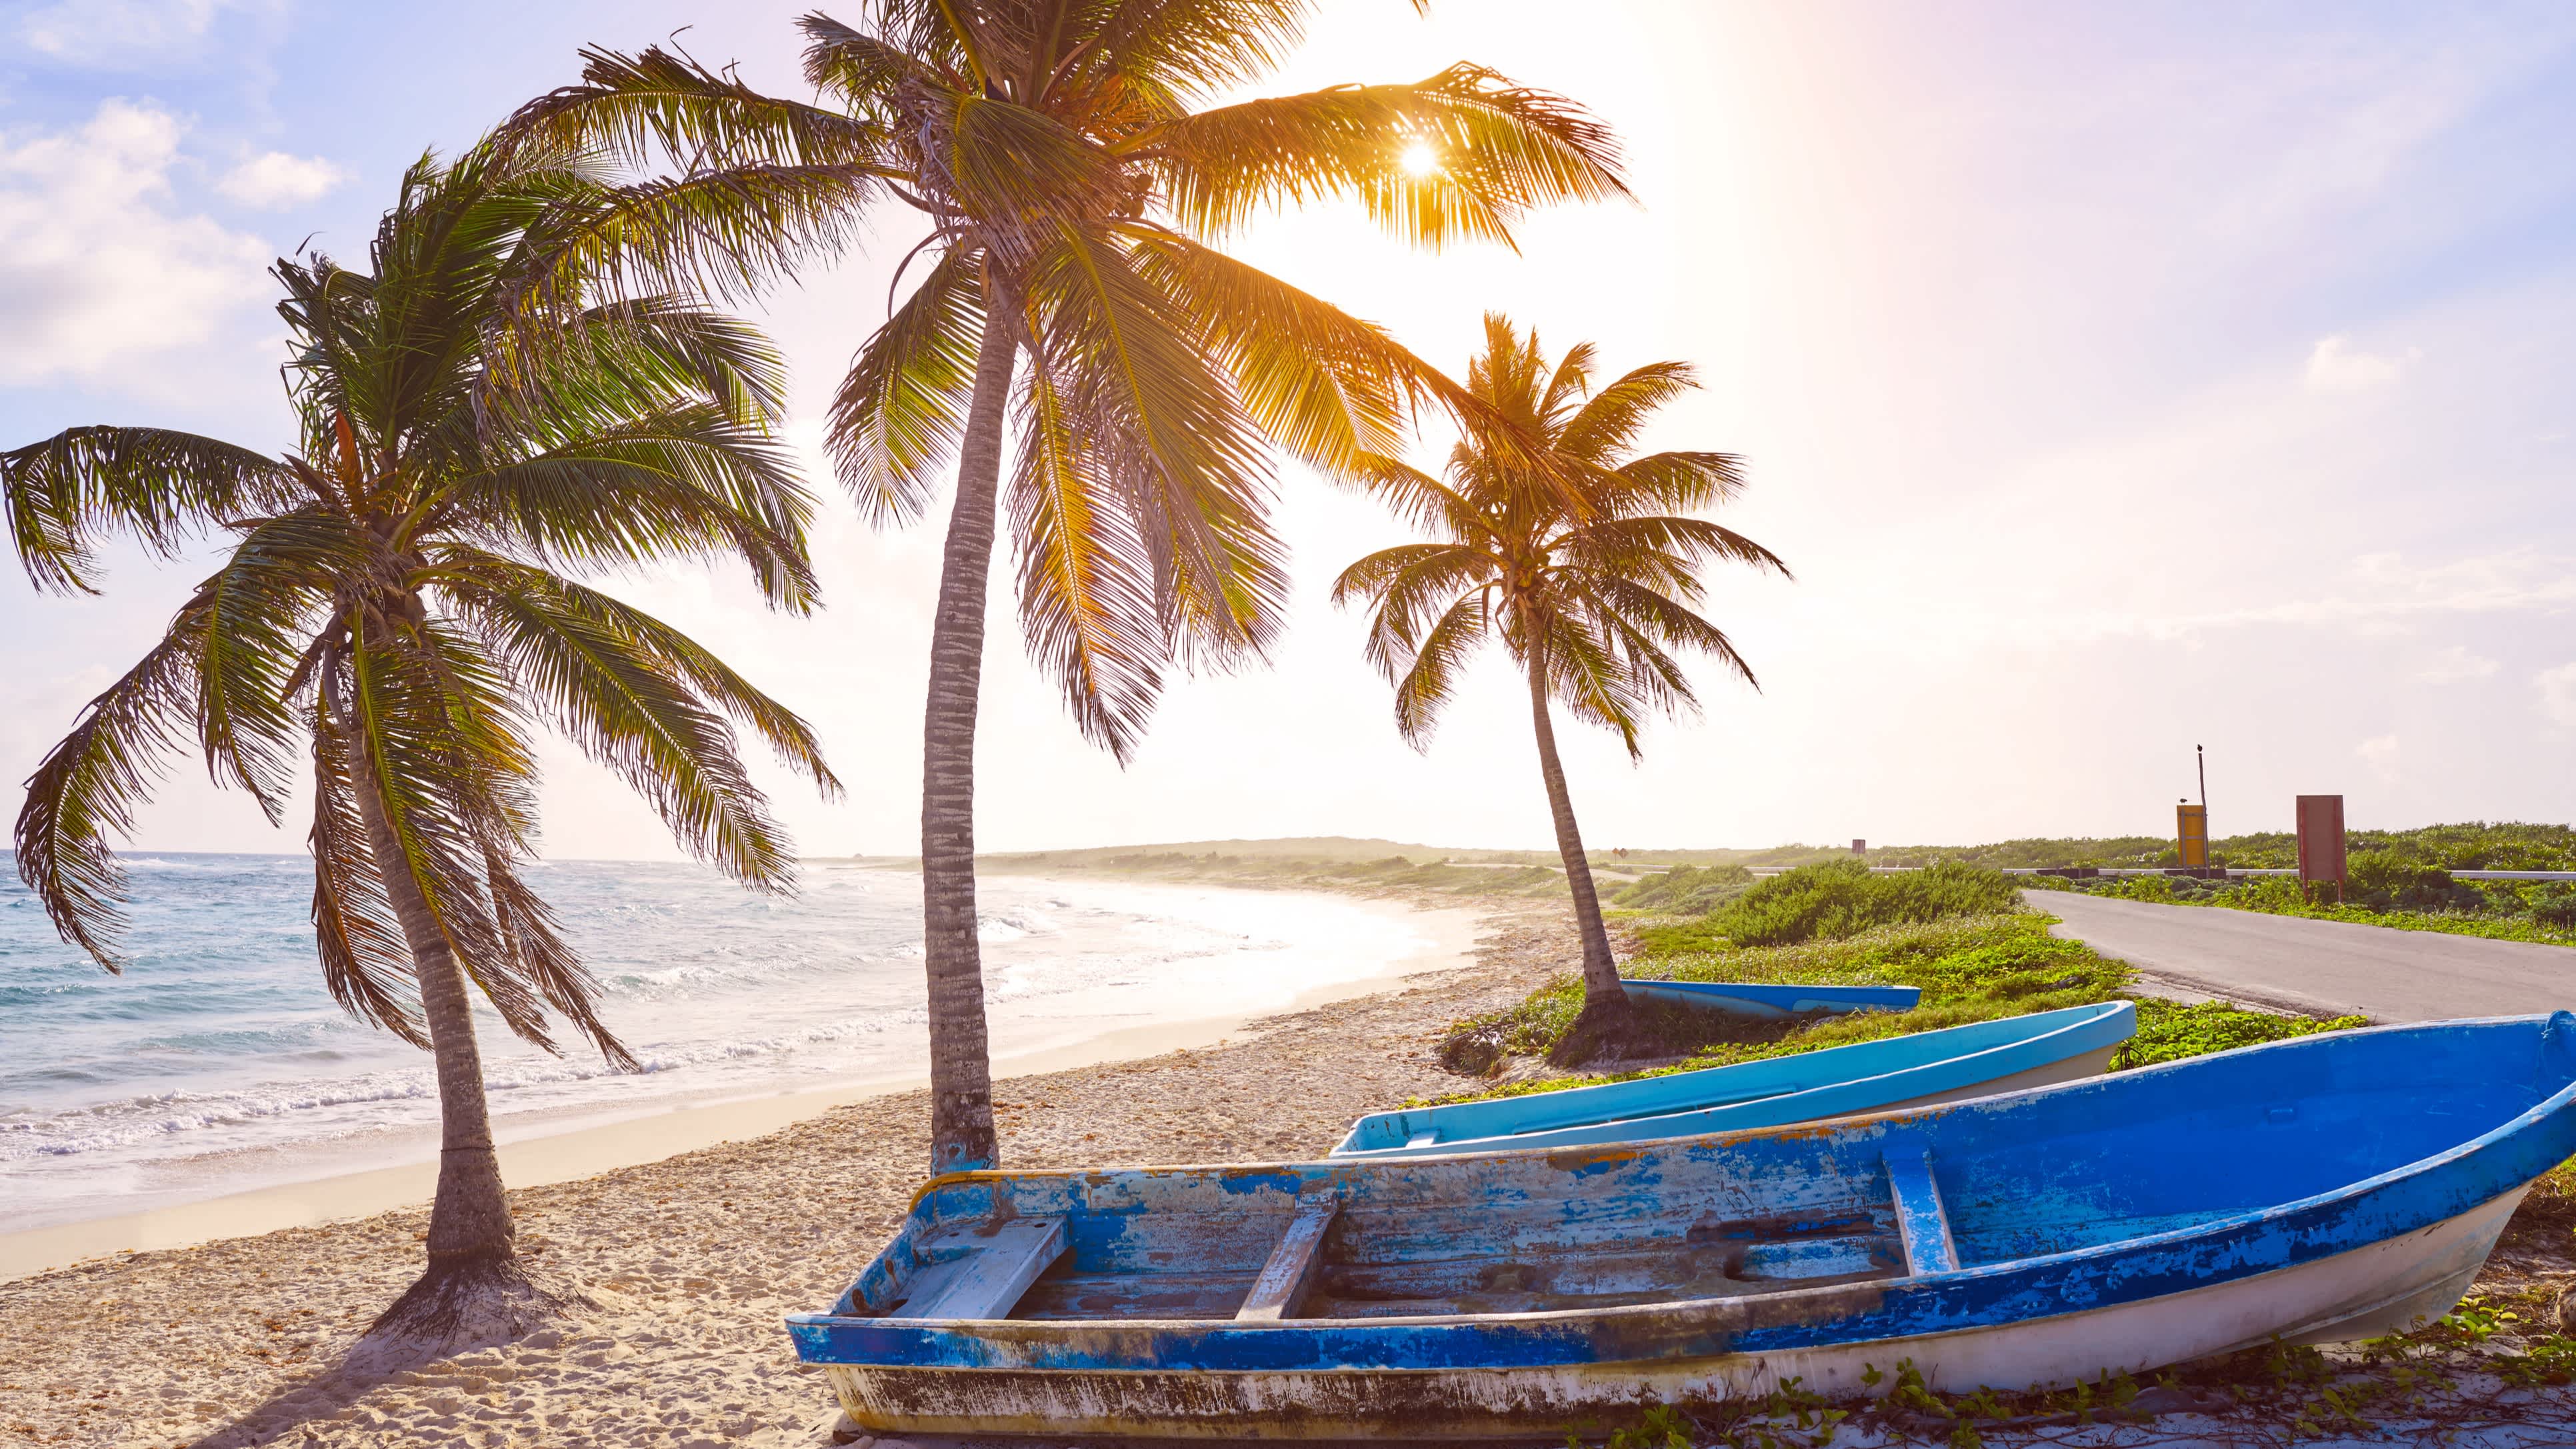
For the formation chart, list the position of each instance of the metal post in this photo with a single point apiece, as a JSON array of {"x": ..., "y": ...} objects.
[{"x": 2203, "y": 760}]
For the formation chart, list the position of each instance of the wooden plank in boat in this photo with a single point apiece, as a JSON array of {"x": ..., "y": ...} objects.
[
  {"x": 1920, "y": 1223},
  {"x": 987, "y": 1279},
  {"x": 1284, "y": 1280}
]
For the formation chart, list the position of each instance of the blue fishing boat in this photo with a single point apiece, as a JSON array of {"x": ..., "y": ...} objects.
[
  {"x": 1979, "y": 1059},
  {"x": 1759, "y": 998},
  {"x": 2327, "y": 1188}
]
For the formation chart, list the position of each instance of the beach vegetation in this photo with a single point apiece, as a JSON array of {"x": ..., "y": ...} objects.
[
  {"x": 478, "y": 410},
  {"x": 1072, "y": 311},
  {"x": 1550, "y": 532},
  {"x": 2543, "y": 912},
  {"x": 2463, "y": 845},
  {"x": 1969, "y": 966},
  {"x": 1686, "y": 890},
  {"x": 1842, "y": 898}
]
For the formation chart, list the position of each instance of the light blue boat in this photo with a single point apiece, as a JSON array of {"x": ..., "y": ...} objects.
[
  {"x": 1751, "y": 998},
  {"x": 1983, "y": 1057},
  {"x": 2323, "y": 1189}
]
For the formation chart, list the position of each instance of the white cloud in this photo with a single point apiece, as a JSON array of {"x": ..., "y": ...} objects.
[
  {"x": 277, "y": 180},
  {"x": 115, "y": 34},
  {"x": 2335, "y": 365},
  {"x": 96, "y": 265},
  {"x": 2455, "y": 664},
  {"x": 2558, "y": 693},
  {"x": 2380, "y": 754}
]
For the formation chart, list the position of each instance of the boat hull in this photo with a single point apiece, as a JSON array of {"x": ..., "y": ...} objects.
[
  {"x": 1916, "y": 1070},
  {"x": 2368, "y": 1291},
  {"x": 2329, "y": 1187}
]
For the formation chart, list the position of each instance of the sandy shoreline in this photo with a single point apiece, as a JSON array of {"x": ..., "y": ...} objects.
[
  {"x": 538, "y": 1153},
  {"x": 693, "y": 1258}
]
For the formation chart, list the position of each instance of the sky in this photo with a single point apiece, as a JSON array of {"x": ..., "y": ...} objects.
[{"x": 2114, "y": 379}]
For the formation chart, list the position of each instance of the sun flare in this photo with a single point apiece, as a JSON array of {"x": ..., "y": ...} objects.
[{"x": 1421, "y": 159}]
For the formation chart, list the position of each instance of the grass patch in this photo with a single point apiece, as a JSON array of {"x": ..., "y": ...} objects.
[{"x": 1969, "y": 968}]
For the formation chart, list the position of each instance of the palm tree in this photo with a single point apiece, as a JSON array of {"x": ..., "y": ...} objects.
[
  {"x": 1576, "y": 566},
  {"x": 1069, "y": 295},
  {"x": 472, "y": 416}
]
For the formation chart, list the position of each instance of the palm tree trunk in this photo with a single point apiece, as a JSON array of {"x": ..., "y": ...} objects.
[
  {"x": 961, "y": 1070},
  {"x": 475, "y": 1288},
  {"x": 469, "y": 1218},
  {"x": 1601, "y": 988}
]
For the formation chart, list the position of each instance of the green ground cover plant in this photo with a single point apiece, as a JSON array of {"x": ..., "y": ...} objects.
[{"x": 1973, "y": 959}]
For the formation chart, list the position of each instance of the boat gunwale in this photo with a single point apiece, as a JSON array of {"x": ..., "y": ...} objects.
[
  {"x": 1775, "y": 1308},
  {"x": 1832, "y": 997},
  {"x": 2101, "y": 1013}
]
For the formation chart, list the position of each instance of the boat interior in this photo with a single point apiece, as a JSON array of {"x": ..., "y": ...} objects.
[{"x": 1967, "y": 1184}]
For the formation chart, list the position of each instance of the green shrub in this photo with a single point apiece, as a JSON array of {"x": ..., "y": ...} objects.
[
  {"x": 2554, "y": 906},
  {"x": 1842, "y": 898},
  {"x": 2385, "y": 880},
  {"x": 1686, "y": 890}
]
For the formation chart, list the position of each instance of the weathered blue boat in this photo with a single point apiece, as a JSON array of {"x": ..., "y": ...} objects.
[
  {"x": 1979, "y": 1059},
  {"x": 2327, "y": 1188},
  {"x": 1758, "y": 998}
]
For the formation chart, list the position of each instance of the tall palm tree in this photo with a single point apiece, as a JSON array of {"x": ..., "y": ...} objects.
[
  {"x": 471, "y": 416},
  {"x": 1586, "y": 568},
  {"x": 1072, "y": 180}
]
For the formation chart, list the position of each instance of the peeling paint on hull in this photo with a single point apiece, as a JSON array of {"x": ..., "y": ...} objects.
[{"x": 2308, "y": 1191}]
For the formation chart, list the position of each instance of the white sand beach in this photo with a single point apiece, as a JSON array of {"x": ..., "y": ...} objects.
[{"x": 693, "y": 1257}]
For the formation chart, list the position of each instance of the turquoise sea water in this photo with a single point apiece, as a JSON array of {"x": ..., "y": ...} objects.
[{"x": 217, "y": 1061}]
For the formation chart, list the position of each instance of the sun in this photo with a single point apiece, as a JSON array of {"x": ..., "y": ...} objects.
[{"x": 1421, "y": 159}]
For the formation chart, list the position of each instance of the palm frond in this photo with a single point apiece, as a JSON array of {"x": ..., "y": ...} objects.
[
  {"x": 626, "y": 708},
  {"x": 655, "y": 105},
  {"x": 1607, "y": 425},
  {"x": 1185, "y": 48},
  {"x": 899, "y": 412},
  {"x": 438, "y": 737},
  {"x": 676, "y": 654},
  {"x": 259, "y": 609},
  {"x": 1409, "y": 587},
  {"x": 1160, "y": 419},
  {"x": 158, "y": 486},
  {"x": 366, "y": 963},
  {"x": 540, "y": 956},
  {"x": 1502, "y": 149},
  {"x": 1586, "y": 673},
  {"x": 87, "y": 787},
  {"x": 688, "y": 482},
  {"x": 1329, "y": 388},
  {"x": 1571, "y": 380},
  {"x": 1430, "y": 676},
  {"x": 1089, "y": 614}
]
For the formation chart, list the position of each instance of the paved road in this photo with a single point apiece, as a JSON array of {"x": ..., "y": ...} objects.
[{"x": 2319, "y": 966}]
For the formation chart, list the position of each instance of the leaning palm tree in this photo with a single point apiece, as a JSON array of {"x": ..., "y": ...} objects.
[
  {"x": 1072, "y": 180},
  {"x": 471, "y": 418},
  {"x": 1587, "y": 569}
]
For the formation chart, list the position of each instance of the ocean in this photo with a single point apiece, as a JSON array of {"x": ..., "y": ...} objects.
[{"x": 218, "y": 1063}]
